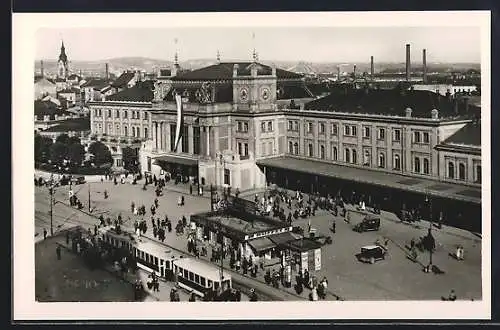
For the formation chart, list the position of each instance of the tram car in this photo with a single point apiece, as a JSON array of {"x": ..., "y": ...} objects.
[
  {"x": 150, "y": 255},
  {"x": 201, "y": 278}
]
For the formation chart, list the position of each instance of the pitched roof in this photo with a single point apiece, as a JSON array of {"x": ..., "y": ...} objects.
[
  {"x": 224, "y": 71},
  {"x": 69, "y": 90},
  {"x": 71, "y": 125},
  {"x": 44, "y": 108},
  {"x": 123, "y": 79},
  {"x": 469, "y": 135},
  {"x": 387, "y": 102},
  {"x": 141, "y": 92},
  {"x": 95, "y": 82}
]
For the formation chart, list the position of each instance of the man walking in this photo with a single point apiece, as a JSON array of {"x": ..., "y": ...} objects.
[{"x": 44, "y": 233}]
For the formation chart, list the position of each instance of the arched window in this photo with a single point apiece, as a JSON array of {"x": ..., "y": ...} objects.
[
  {"x": 125, "y": 130},
  {"x": 451, "y": 170},
  {"x": 416, "y": 165},
  {"x": 381, "y": 160},
  {"x": 290, "y": 147},
  {"x": 311, "y": 151},
  {"x": 322, "y": 152},
  {"x": 133, "y": 131},
  {"x": 354, "y": 156},
  {"x": 335, "y": 153},
  {"x": 146, "y": 133},
  {"x": 397, "y": 162},
  {"x": 461, "y": 171},
  {"x": 366, "y": 158},
  {"x": 426, "y": 166},
  {"x": 347, "y": 155},
  {"x": 296, "y": 148},
  {"x": 125, "y": 114}
]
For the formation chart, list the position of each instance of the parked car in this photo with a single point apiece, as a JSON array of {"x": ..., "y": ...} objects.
[
  {"x": 78, "y": 179},
  {"x": 368, "y": 223},
  {"x": 371, "y": 253}
]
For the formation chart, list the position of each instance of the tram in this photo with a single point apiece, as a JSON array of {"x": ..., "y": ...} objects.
[
  {"x": 150, "y": 256},
  {"x": 200, "y": 277}
]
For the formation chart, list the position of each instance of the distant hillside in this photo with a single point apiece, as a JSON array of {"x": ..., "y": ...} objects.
[{"x": 118, "y": 65}]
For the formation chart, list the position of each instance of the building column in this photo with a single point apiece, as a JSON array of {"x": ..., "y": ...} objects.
[
  {"x": 167, "y": 136},
  {"x": 162, "y": 135},
  {"x": 155, "y": 134},
  {"x": 208, "y": 140},
  {"x": 190, "y": 139}
]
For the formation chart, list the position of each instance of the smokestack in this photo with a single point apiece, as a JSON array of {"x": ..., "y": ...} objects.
[
  {"x": 354, "y": 71},
  {"x": 408, "y": 65},
  {"x": 107, "y": 71},
  {"x": 338, "y": 72},
  {"x": 424, "y": 64},
  {"x": 41, "y": 68},
  {"x": 371, "y": 67}
]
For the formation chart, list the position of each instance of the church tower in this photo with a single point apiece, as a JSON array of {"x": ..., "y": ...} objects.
[{"x": 62, "y": 63}]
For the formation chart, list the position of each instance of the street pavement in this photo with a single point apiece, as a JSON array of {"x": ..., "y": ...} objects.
[{"x": 391, "y": 279}]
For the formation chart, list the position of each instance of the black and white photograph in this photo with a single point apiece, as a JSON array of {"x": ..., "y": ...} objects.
[{"x": 312, "y": 165}]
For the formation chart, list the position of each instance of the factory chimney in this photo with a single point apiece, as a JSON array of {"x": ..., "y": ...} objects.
[
  {"x": 107, "y": 71},
  {"x": 424, "y": 64},
  {"x": 354, "y": 72},
  {"x": 338, "y": 72},
  {"x": 408, "y": 65},
  {"x": 41, "y": 68},
  {"x": 371, "y": 68}
]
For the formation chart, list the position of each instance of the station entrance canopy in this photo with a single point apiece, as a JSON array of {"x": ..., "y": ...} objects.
[
  {"x": 389, "y": 180},
  {"x": 176, "y": 160}
]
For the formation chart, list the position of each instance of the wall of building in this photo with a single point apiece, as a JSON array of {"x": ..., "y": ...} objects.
[{"x": 470, "y": 162}]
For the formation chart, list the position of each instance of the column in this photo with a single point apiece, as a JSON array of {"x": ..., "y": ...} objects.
[
  {"x": 155, "y": 124},
  {"x": 161, "y": 136},
  {"x": 208, "y": 139},
  {"x": 190, "y": 139},
  {"x": 167, "y": 136}
]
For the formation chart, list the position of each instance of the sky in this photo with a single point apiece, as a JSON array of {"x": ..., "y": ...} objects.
[{"x": 311, "y": 44}]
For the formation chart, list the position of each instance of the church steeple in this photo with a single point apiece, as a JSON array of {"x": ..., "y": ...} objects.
[{"x": 62, "y": 63}]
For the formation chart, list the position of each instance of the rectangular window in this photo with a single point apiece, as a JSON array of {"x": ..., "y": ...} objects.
[
  {"x": 416, "y": 138},
  {"x": 321, "y": 128},
  {"x": 296, "y": 126},
  {"x": 263, "y": 127},
  {"x": 270, "y": 126},
  {"x": 290, "y": 125},
  {"x": 426, "y": 137},
  {"x": 397, "y": 135},
  {"x": 156, "y": 261},
  {"x": 191, "y": 276},
  {"x": 246, "y": 149},
  {"x": 335, "y": 129},
  {"x": 202, "y": 281},
  {"x": 145, "y": 115},
  {"x": 196, "y": 140},
  {"x": 172, "y": 136},
  {"x": 347, "y": 130},
  {"x": 354, "y": 131},
  {"x": 109, "y": 113},
  {"x": 381, "y": 134},
  {"x": 309, "y": 127},
  {"x": 117, "y": 114},
  {"x": 186, "y": 274},
  {"x": 227, "y": 176},
  {"x": 197, "y": 278},
  {"x": 245, "y": 127},
  {"x": 185, "y": 139},
  {"x": 366, "y": 132},
  {"x": 240, "y": 149},
  {"x": 240, "y": 126}
]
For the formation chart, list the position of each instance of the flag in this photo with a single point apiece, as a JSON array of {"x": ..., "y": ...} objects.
[{"x": 180, "y": 121}]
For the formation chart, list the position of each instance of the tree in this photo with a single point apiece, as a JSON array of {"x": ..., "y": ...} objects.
[
  {"x": 58, "y": 152},
  {"x": 63, "y": 138},
  {"x": 76, "y": 153},
  {"x": 42, "y": 148},
  {"x": 129, "y": 159},
  {"x": 101, "y": 153}
]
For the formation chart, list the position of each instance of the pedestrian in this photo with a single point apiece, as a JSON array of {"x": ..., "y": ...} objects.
[
  {"x": 334, "y": 227},
  {"x": 44, "y": 233},
  {"x": 190, "y": 189},
  {"x": 58, "y": 252},
  {"x": 182, "y": 200}
]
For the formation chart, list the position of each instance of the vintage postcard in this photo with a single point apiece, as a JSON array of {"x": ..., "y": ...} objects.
[{"x": 312, "y": 165}]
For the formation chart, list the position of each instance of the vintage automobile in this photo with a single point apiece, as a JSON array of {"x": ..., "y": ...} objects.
[
  {"x": 368, "y": 223},
  {"x": 78, "y": 179},
  {"x": 371, "y": 253}
]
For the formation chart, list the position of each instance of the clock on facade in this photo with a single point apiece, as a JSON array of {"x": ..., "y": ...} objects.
[
  {"x": 243, "y": 94},
  {"x": 265, "y": 94}
]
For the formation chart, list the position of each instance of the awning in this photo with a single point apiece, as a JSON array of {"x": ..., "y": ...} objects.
[
  {"x": 391, "y": 180},
  {"x": 284, "y": 238},
  {"x": 177, "y": 160},
  {"x": 261, "y": 244}
]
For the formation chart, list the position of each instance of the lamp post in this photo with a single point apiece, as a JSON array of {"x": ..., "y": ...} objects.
[
  {"x": 430, "y": 239},
  {"x": 51, "y": 191}
]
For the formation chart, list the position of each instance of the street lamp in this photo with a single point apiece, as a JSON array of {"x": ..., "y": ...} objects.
[{"x": 429, "y": 239}]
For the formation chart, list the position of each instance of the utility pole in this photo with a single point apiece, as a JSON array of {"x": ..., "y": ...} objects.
[
  {"x": 51, "y": 191},
  {"x": 89, "y": 199}
]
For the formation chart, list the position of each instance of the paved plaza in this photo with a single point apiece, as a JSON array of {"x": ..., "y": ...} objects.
[{"x": 391, "y": 279}]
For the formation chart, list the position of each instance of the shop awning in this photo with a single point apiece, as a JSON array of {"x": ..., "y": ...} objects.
[
  {"x": 391, "y": 180},
  {"x": 261, "y": 244},
  {"x": 177, "y": 160},
  {"x": 284, "y": 238}
]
